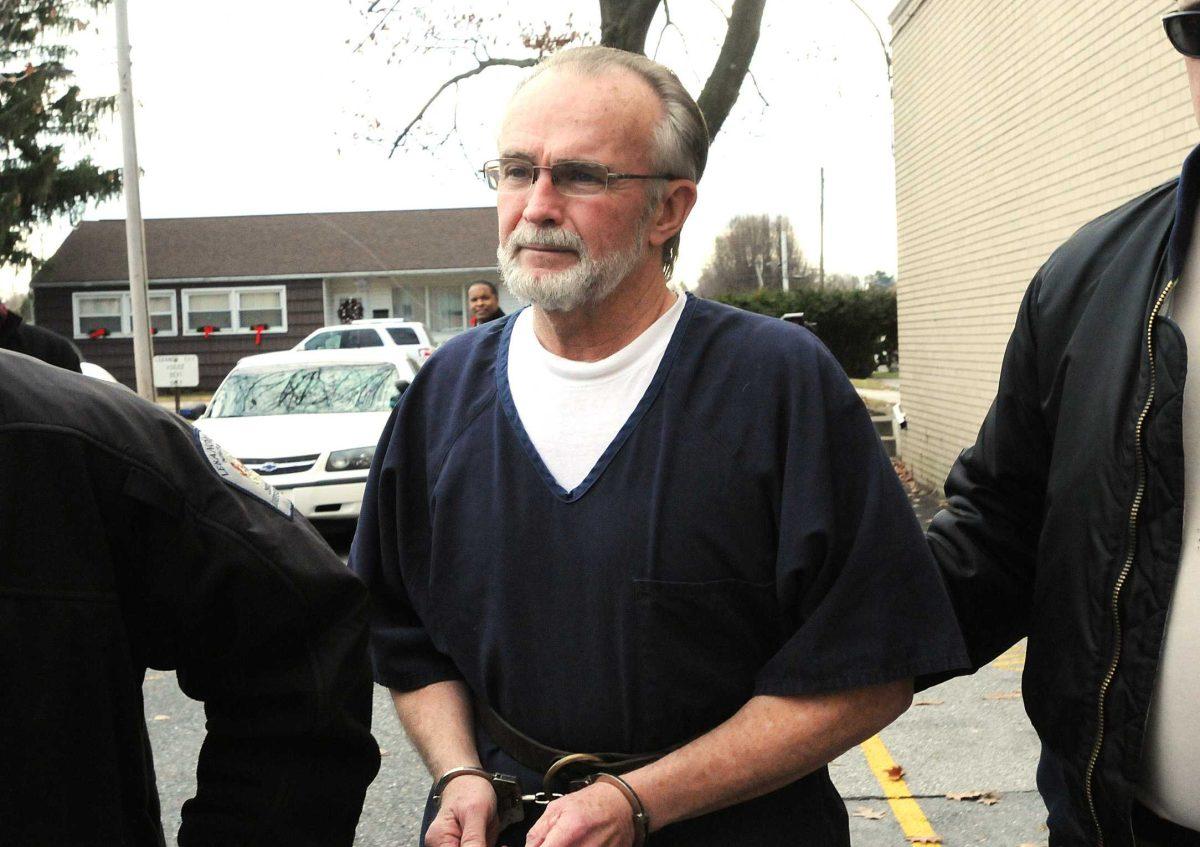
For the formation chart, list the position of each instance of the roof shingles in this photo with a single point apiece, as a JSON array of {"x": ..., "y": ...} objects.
[{"x": 282, "y": 245}]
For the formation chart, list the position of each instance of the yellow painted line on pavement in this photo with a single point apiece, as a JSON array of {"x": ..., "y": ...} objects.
[
  {"x": 1013, "y": 660},
  {"x": 906, "y": 809}
]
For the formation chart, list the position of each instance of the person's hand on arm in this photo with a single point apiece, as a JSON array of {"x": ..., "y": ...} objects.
[
  {"x": 438, "y": 720},
  {"x": 770, "y": 742}
]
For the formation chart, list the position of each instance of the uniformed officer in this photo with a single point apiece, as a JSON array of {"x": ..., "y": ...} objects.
[{"x": 127, "y": 542}]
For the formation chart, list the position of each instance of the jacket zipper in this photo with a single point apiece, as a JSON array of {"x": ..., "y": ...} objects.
[{"x": 1130, "y": 550}]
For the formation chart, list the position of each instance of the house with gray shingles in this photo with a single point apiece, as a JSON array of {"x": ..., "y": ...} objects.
[{"x": 227, "y": 287}]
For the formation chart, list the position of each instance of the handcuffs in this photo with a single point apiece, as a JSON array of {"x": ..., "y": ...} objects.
[{"x": 511, "y": 800}]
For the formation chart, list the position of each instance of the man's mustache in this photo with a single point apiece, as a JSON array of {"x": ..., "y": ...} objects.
[{"x": 555, "y": 238}]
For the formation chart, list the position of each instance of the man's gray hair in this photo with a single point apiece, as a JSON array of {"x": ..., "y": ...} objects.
[{"x": 680, "y": 143}]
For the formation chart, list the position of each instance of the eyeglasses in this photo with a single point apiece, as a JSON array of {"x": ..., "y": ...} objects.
[
  {"x": 574, "y": 179},
  {"x": 1183, "y": 28}
]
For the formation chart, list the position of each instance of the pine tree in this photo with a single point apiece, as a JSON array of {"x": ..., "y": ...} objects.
[{"x": 40, "y": 109}]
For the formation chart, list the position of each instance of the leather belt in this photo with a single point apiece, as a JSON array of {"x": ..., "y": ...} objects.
[{"x": 551, "y": 761}]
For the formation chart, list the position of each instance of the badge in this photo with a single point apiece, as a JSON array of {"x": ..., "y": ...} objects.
[{"x": 239, "y": 476}]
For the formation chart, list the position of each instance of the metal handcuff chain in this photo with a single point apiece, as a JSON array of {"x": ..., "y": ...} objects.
[{"x": 510, "y": 801}]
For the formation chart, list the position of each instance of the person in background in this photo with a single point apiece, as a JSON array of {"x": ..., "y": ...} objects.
[
  {"x": 21, "y": 337},
  {"x": 484, "y": 302}
]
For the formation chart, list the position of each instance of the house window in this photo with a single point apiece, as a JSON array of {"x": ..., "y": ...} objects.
[
  {"x": 236, "y": 310},
  {"x": 110, "y": 313},
  {"x": 447, "y": 314}
]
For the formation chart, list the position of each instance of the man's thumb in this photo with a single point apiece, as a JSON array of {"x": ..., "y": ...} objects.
[{"x": 474, "y": 832}]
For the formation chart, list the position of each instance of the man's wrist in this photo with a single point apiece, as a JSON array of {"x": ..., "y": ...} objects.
[
  {"x": 439, "y": 787},
  {"x": 641, "y": 818}
]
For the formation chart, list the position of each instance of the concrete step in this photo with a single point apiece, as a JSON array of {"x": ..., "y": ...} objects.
[{"x": 884, "y": 427}]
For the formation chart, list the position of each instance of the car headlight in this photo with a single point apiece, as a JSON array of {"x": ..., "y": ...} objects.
[{"x": 358, "y": 459}]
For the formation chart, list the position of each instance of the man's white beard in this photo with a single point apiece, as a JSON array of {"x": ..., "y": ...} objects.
[{"x": 588, "y": 281}]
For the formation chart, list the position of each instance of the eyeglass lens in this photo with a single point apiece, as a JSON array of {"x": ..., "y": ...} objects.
[
  {"x": 1184, "y": 31},
  {"x": 572, "y": 178}
]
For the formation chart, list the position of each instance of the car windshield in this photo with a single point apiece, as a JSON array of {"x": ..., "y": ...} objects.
[{"x": 306, "y": 390}]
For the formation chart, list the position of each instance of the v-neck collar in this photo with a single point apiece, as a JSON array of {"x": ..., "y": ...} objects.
[{"x": 504, "y": 391}]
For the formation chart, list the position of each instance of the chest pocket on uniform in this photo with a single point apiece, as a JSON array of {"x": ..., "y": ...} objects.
[{"x": 700, "y": 646}]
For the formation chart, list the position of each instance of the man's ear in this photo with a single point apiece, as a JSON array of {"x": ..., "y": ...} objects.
[{"x": 673, "y": 211}]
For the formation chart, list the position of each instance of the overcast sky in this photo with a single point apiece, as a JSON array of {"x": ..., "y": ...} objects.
[{"x": 267, "y": 107}]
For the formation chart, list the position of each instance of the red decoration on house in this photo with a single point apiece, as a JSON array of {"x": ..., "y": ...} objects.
[
  {"x": 209, "y": 329},
  {"x": 258, "y": 331},
  {"x": 99, "y": 332}
]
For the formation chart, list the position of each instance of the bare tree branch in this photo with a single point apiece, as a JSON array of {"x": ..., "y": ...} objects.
[
  {"x": 887, "y": 54},
  {"x": 717, "y": 6},
  {"x": 378, "y": 23},
  {"x": 454, "y": 81},
  {"x": 758, "y": 90},
  {"x": 624, "y": 24},
  {"x": 721, "y": 90},
  {"x": 666, "y": 25}
]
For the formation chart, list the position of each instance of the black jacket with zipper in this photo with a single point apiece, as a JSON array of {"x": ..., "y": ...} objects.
[
  {"x": 1064, "y": 519},
  {"x": 122, "y": 549}
]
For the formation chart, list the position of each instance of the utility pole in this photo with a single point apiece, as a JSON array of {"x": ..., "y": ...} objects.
[
  {"x": 822, "y": 271},
  {"x": 783, "y": 257},
  {"x": 135, "y": 235}
]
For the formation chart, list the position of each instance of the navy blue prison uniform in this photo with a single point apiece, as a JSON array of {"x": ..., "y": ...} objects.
[{"x": 743, "y": 534}]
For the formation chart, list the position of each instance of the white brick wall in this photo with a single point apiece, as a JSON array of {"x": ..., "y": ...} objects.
[{"x": 1015, "y": 124}]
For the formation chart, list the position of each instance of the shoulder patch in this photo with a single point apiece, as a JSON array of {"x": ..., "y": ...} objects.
[{"x": 238, "y": 475}]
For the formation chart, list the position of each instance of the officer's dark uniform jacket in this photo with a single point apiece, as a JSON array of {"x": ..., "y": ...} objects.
[
  {"x": 20, "y": 337},
  {"x": 1064, "y": 519},
  {"x": 122, "y": 549}
]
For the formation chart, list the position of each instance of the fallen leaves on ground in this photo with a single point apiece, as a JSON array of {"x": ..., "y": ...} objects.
[
  {"x": 868, "y": 813},
  {"x": 905, "y": 476},
  {"x": 1003, "y": 695},
  {"x": 924, "y": 839},
  {"x": 162, "y": 717},
  {"x": 383, "y": 754},
  {"x": 987, "y": 798},
  {"x": 928, "y": 702},
  {"x": 895, "y": 773}
]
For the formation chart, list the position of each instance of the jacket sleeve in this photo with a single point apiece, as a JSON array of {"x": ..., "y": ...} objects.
[
  {"x": 266, "y": 626},
  {"x": 985, "y": 540}
]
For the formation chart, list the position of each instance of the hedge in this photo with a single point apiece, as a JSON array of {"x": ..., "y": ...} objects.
[{"x": 858, "y": 326}]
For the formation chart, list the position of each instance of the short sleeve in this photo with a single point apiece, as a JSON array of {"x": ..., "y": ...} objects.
[
  {"x": 391, "y": 547},
  {"x": 862, "y": 599}
]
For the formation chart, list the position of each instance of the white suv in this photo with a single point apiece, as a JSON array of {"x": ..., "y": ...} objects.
[{"x": 372, "y": 332}]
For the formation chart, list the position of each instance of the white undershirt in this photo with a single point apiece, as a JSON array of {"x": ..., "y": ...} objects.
[
  {"x": 573, "y": 410},
  {"x": 1172, "y": 749}
]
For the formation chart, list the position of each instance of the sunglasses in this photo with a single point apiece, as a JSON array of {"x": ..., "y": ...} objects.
[{"x": 1183, "y": 28}]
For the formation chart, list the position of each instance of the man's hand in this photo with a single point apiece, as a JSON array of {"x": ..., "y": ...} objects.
[
  {"x": 596, "y": 816},
  {"x": 467, "y": 815}
]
